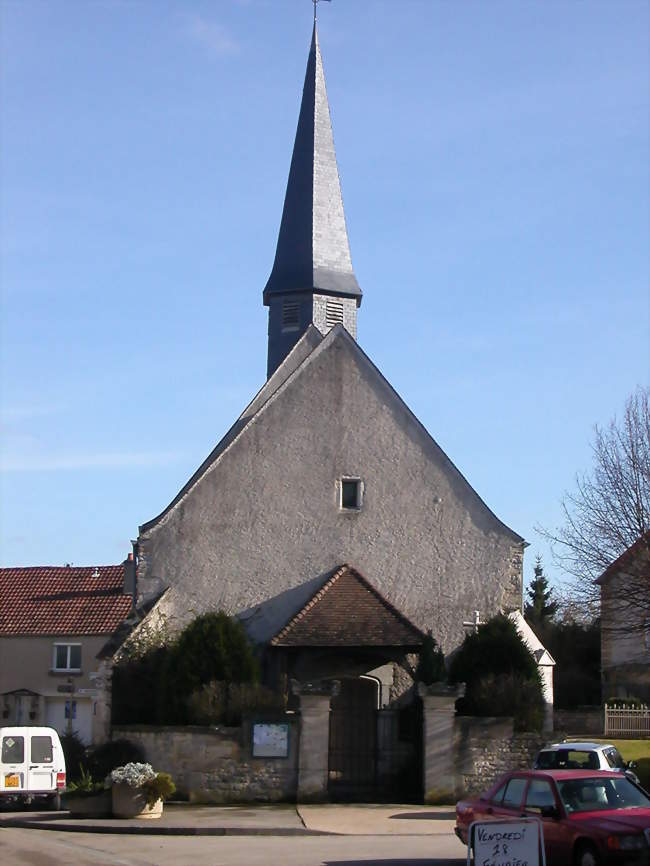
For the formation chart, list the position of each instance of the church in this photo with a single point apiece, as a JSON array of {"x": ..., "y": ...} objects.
[{"x": 327, "y": 519}]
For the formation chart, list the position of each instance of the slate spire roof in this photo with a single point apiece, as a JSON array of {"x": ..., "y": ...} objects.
[{"x": 313, "y": 252}]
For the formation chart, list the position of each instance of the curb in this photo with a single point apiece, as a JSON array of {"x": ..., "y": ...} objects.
[{"x": 148, "y": 830}]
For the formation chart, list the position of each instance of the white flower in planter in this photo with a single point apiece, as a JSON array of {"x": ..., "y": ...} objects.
[{"x": 134, "y": 775}]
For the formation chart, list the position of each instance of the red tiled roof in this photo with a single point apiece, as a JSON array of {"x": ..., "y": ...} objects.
[
  {"x": 348, "y": 611},
  {"x": 628, "y": 556},
  {"x": 55, "y": 601}
]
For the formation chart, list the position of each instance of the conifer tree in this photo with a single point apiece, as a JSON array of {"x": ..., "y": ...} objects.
[
  {"x": 431, "y": 664},
  {"x": 541, "y": 608}
]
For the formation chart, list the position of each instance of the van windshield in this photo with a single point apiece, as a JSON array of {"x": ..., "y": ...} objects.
[
  {"x": 13, "y": 750},
  {"x": 42, "y": 750}
]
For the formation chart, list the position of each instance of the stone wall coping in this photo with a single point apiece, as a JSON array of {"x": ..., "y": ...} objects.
[
  {"x": 328, "y": 688},
  {"x": 213, "y": 730},
  {"x": 441, "y": 690},
  {"x": 487, "y": 720}
]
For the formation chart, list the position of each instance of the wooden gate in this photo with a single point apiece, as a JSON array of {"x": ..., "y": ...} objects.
[
  {"x": 374, "y": 755},
  {"x": 623, "y": 721}
]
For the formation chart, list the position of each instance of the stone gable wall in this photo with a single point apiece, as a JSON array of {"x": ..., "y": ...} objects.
[
  {"x": 216, "y": 765},
  {"x": 261, "y": 530}
]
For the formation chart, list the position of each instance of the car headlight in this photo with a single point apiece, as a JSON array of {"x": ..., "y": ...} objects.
[{"x": 626, "y": 843}]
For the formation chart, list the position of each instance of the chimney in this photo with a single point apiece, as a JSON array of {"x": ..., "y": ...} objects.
[{"x": 129, "y": 575}]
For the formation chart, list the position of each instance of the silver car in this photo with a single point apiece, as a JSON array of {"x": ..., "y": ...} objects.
[{"x": 584, "y": 756}]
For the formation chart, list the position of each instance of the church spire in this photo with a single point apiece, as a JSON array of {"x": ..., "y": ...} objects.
[{"x": 313, "y": 267}]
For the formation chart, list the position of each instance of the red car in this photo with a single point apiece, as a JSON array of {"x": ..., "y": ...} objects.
[{"x": 590, "y": 817}]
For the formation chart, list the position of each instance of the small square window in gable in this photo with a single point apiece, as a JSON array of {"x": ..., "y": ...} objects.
[
  {"x": 350, "y": 494},
  {"x": 290, "y": 315}
]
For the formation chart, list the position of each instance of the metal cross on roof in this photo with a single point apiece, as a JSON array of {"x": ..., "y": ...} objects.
[
  {"x": 475, "y": 623},
  {"x": 316, "y": 2}
]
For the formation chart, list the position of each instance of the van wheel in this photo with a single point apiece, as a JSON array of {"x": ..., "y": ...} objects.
[
  {"x": 586, "y": 855},
  {"x": 54, "y": 802}
]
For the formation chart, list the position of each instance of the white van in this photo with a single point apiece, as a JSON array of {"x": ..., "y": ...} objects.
[{"x": 32, "y": 765}]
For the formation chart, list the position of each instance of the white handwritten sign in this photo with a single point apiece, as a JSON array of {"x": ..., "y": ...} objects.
[{"x": 507, "y": 843}]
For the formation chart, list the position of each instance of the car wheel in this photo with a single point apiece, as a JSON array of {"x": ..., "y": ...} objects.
[{"x": 586, "y": 855}]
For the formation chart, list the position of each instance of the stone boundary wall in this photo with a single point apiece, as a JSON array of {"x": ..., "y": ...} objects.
[
  {"x": 584, "y": 722},
  {"x": 485, "y": 748},
  {"x": 216, "y": 765}
]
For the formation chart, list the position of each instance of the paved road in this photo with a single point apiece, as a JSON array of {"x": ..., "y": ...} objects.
[{"x": 53, "y": 848}]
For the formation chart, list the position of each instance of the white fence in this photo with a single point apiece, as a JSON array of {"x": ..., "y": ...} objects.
[{"x": 627, "y": 722}]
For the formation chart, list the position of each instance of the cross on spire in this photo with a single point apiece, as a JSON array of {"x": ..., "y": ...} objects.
[{"x": 316, "y": 2}]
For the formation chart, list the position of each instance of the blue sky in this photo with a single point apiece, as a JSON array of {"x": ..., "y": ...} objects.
[{"x": 494, "y": 164}]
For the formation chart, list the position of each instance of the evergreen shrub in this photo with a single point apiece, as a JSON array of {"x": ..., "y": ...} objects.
[
  {"x": 501, "y": 675},
  {"x": 74, "y": 752},
  {"x": 157, "y": 674},
  {"x": 135, "y": 686},
  {"x": 222, "y": 703},
  {"x": 576, "y": 650},
  {"x": 630, "y": 703},
  {"x": 102, "y": 759},
  {"x": 214, "y": 646},
  {"x": 431, "y": 663}
]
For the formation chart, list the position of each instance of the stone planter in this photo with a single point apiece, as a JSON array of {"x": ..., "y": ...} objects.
[
  {"x": 90, "y": 805},
  {"x": 131, "y": 802}
]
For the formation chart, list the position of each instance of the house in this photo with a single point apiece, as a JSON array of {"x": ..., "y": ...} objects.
[
  {"x": 327, "y": 518},
  {"x": 54, "y": 623},
  {"x": 625, "y": 623}
]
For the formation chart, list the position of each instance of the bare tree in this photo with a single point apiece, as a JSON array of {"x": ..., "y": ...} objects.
[{"x": 609, "y": 510}]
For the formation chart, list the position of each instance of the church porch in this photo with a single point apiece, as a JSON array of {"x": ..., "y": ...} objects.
[{"x": 348, "y": 655}]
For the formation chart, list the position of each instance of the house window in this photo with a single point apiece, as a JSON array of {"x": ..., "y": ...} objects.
[
  {"x": 290, "y": 315},
  {"x": 351, "y": 496},
  {"x": 333, "y": 313},
  {"x": 67, "y": 657}
]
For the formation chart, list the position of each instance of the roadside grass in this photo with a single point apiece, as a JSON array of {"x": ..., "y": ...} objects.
[{"x": 635, "y": 750}]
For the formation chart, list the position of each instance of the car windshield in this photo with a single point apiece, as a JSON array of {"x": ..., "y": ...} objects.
[
  {"x": 568, "y": 759},
  {"x": 599, "y": 793}
]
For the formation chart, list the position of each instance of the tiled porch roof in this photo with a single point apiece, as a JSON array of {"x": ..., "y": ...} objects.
[{"x": 348, "y": 611}]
